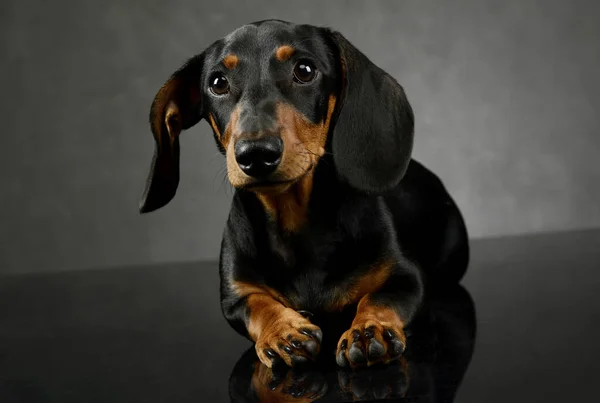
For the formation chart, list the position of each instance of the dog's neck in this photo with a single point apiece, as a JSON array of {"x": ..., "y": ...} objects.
[{"x": 289, "y": 209}]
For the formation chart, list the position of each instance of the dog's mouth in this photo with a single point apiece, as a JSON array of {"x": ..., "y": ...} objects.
[
  {"x": 269, "y": 184},
  {"x": 275, "y": 185}
]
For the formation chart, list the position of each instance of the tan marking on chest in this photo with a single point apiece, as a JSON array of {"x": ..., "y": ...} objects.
[
  {"x": 368, "y": 283},
  {"x": 290, "y": 208}
]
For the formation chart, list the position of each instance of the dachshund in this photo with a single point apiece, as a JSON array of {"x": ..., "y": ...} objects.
[{"x": 335, "y": 233}]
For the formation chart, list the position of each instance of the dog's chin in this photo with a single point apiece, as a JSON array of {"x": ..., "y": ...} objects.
[{"x": 272, "y": 186}]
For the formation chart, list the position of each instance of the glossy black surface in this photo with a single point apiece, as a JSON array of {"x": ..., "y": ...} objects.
[{"x": 155, "y": 334}]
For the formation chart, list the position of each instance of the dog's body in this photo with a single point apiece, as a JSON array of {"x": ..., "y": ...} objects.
[{"x": 331, "y": 218}]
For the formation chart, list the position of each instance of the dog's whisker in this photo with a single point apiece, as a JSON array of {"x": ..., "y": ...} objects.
[
  {"x": 222, "y": 172},
  {"x": 225, "y": 183},
  {"x": 213, "y": 156}
]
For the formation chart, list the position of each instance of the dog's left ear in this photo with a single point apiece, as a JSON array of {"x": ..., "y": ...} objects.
[
  {"x": 373, "y": 133},
  {"x": 176, "y": 107}
]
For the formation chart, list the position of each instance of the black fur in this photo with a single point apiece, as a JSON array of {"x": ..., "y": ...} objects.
[
  {"x": 370, "y": 200},
  {"x": 373, "y": 136},
  {"x": 163, "y": 178}
]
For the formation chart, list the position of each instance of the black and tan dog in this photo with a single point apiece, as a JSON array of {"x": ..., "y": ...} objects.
[{"x": 331, "y": 221}]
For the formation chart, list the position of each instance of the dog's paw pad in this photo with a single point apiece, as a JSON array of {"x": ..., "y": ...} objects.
[{"x": 370, "y": 343}]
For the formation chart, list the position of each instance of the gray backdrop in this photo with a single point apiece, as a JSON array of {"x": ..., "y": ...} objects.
[{"x": 505, "y": 93}]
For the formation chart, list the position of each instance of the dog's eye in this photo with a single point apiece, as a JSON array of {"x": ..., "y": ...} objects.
[
  {"x": 304, "y": 72},
  {"x": 219, "y": 85}
]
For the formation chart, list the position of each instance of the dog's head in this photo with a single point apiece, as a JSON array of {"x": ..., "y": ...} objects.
[{"x": 278, "y": 96}]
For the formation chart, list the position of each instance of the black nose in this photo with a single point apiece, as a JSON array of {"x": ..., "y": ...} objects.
[{"x": 258, "y": 158}]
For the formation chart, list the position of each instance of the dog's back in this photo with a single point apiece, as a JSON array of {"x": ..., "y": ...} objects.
[{"x": 430, "y": 225}]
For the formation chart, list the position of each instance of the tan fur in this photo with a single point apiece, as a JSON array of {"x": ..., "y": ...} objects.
[
  {"x": 289, "y": 207},
  {"x": 270, "y": 321},
  {"x": 378, "y": 317},
  {"x": 213, "y": 124},
  {"x": 163, "y": 103},
  {"x": 230, "y": 61},
  {"x": 171, "y": 107},
  {"x": 244, "y": 289},
  {"x": 369, "y": 283},
  {"x": 234, "y": 173},
  {"x": 173, "y": 121},
  {"x": 304, "y": 144},
  {"x": 369, "y": 312},
  {"x": 283, "y": 53}
]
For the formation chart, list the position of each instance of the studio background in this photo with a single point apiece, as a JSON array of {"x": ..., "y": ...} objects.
[{"x": 505, "y": 94}]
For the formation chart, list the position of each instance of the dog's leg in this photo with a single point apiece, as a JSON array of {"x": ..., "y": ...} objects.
[
  {"x": 280, "y": 333},
  {"x": 377, "y": 331}
]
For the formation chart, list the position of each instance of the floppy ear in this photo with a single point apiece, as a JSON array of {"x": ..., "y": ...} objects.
[
  {"x": 176, "y": 107},
  {"x": 373, "y": 134}
]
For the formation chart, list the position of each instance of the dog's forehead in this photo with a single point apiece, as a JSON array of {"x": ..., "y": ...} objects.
[{"x": 260, "y": 39}]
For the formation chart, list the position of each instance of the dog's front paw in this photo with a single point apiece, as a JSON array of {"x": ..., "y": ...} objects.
[
  {"x": 370, "y": 342},
  {"x": 290, "y": 338}
]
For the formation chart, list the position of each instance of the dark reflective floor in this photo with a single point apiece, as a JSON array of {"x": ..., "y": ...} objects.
[{"x": 525, "y": 327}]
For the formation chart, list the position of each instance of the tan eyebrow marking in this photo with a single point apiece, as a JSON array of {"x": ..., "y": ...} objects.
[
  {"x": 230, "y": 61},
  {"x": 284, "y": 52}
]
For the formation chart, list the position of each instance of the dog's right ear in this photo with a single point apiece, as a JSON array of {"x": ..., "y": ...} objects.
[{"x": 177, "y": 106}]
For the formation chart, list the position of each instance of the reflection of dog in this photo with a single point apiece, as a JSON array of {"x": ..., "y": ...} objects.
[
  {"x": 286, "y": 386},
  {"x": 331, "y": 215},
  {"x": 431, "y": 369}
]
